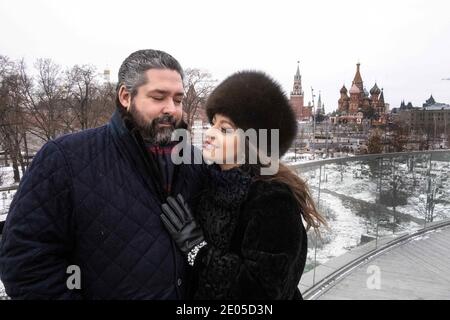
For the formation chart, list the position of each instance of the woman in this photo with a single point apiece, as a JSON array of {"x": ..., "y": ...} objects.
[{"x": 247, "y": 240}]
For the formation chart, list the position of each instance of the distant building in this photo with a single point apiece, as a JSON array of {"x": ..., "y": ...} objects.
[
  {"x": 320, "y": 109},
  {"x": 432, "y": 117},
  {"x": 432, "y": 103},
  {"x": 404, "y": 106},
  {"x": 356, "y": 103},
  {"x": 107, "y": 75},
  {"x": 348, "y": 118},
  {"x": 296, "y": 100}
]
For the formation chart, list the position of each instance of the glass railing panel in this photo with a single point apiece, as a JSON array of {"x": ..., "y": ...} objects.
[{"x": 372, "y": 200}]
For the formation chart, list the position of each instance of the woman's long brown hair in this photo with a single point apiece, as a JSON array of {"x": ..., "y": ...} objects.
[{"x": 301, "y": 192}]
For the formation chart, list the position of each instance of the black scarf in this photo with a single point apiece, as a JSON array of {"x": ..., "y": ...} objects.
[{"x": 220, "y": 202}]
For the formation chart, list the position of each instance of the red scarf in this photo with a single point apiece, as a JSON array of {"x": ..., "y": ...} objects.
[{"x": 162, "y": 157}]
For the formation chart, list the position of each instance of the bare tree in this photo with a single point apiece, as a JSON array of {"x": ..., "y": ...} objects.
[
  {"x": 374, "y": 144},
  {"x": 43, "y": 99},
  {"x": 399, "y": 138},
  {"x": 81, "y": 89},
  {"x": 430, "y": 194},
  {"x": 48, "y": 104},
  {"x": 199, "y": 85},
  {"x": 12, "y": 127},
  {"x": 103, "y": 105}
]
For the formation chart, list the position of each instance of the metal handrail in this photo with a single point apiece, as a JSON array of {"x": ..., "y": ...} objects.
[
  {"x": 315, "y": 163},
  {"x": 10, "y": 188}
]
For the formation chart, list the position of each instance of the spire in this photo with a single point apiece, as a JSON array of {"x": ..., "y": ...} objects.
[
  {"x": 381, "y": 97},
  {"x": 320, "y": 105},
  {"x": 297, "y": 74},
  {"x": 297, "y": 88},
  {"x": 319, "y": 101},
  {"x": 358, "y": 79}
]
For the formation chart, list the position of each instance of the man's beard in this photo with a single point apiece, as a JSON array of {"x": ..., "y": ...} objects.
[{"x": 151, "y": 132}]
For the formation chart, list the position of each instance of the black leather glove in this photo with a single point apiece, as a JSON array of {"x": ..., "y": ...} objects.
[{"x": 179, "y": 221}]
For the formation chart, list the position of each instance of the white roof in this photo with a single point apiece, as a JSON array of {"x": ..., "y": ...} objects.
[{"x": 438, "y": 107}]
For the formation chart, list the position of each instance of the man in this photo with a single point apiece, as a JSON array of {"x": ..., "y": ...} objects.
[{"x": 89, "y": 206}]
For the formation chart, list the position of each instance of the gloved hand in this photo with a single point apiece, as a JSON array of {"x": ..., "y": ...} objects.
[{"x": 179, "y": 221}]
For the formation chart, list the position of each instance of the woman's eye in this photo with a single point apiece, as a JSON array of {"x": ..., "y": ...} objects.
[{"x": 226, "y": 130}]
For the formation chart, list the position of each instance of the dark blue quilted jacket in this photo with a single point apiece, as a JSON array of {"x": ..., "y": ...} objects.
[{"x": 91, "y": 199}]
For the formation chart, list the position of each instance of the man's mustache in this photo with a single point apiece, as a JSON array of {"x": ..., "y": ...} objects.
[{"x": 165, "y": 119}]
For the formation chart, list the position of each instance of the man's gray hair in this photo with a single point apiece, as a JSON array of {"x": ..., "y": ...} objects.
[{"x": 132, "y": 71}]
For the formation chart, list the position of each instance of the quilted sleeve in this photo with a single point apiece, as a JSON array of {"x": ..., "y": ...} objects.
[
  {"x": 38, "y": 235},
  {"x": 266, "y": 266}
]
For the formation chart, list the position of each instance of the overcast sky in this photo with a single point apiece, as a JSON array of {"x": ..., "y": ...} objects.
[{"x": 403, "y": 45}]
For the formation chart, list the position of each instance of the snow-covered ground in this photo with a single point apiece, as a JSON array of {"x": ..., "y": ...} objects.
[
  {"x": 347, "y": 180},
  {"x": 2, "y": 290},
  {"x": 349, "y": 219},
  {"x": 7, "y": 179},
  {"x": 345, "y": 229}
]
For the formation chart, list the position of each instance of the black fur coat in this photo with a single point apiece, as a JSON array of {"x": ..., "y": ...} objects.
[{"x": 257, "y": 243}]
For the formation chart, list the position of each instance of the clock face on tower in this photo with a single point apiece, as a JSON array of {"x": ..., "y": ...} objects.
[{"x": 296, "y": 87}]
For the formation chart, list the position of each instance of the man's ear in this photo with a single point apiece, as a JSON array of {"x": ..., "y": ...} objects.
[{"x": 124, "y": 97}]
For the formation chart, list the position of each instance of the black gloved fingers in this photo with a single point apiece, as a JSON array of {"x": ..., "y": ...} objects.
[
  {"x": 187, "y": 211},
  {"x": 169, "y": 213},
  {"x": 168, "y": 224},
  {"x": 180, "y": 199},
  {"x": 177, "y": 208}
]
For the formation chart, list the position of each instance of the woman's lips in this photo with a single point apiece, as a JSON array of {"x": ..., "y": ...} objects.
[{"x": 208, "y": 146}]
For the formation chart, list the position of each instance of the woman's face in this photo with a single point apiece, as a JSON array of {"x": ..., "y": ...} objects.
[{"x": 221, "y": 142}]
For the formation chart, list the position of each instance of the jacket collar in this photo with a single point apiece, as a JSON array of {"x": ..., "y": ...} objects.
[{"x": 131, "y": 145}]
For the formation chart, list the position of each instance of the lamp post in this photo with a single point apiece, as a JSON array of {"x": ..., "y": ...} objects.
[
  {"x": 434, "y": 136},
  {"x": 314, "y": 123},
  {"x": 326, "y": 142}
]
